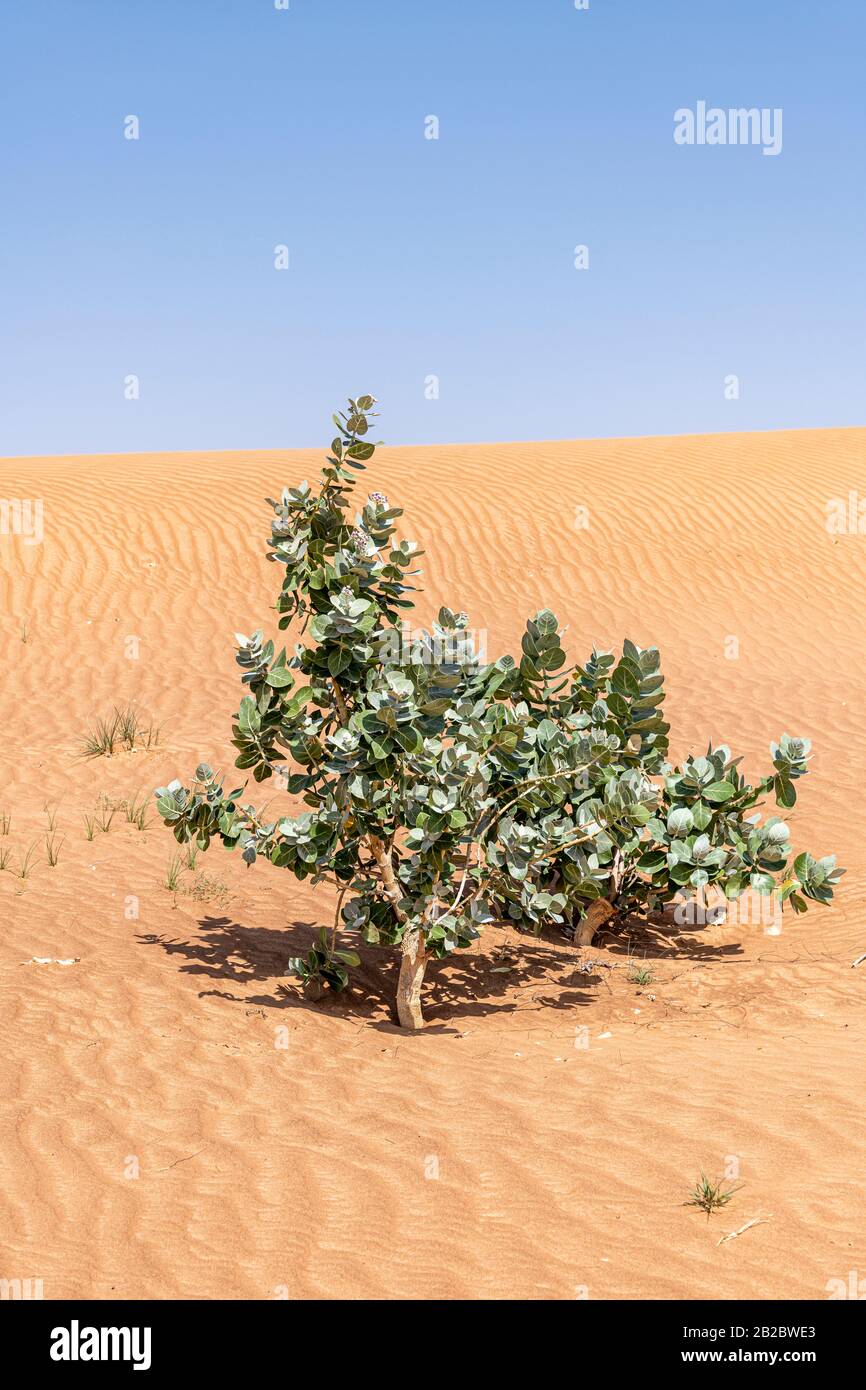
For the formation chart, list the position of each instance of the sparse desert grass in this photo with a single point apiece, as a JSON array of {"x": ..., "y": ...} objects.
[
  {"x": 710, "y": 1196},
  {"x": 53, "y": 846},
  {"x": 27, "y": 861},
  {"x": 191, "y": 856},
  {"x": 101, "y": 818},
  {"x": 104, "y": 814},
  {"x": 5, "y": 856},
  {"x": 174, "y": 872},
  {"x": 134, "y": 732},
  {"x": 100, "y": 741},
  {"x": 204, "y": 888},
  {"x": 639, "y": 975},
  {"x": 124, "y": 729},
  {"x": 208, "y": 888},
  {"x": 5, "y": 822},
  {"x": 51, "y": 814},
  {"x": 135, "y": 810}
]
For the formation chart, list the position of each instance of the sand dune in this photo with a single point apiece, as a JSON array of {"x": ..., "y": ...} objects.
[{"x": 283, "y": 1149}]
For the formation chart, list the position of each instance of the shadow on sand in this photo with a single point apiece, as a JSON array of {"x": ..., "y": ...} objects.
[{"x": 504, "y": 980}]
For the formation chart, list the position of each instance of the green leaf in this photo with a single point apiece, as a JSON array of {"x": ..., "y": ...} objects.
[
  {"x": 249, "y": 719},
  {"x": 803, "y": 866},
  {"x": 279, "y": 678},
  {"x": 718, "y": 791},
  {"x": 652, "y": 861},
  {"x": 338, "y": 659},
  {"x": 624, "y": 683},
  {"x": 361, "y": 450}
]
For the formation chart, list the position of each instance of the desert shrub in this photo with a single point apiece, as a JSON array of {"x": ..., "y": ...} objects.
[{"x": 444, "y": 791}]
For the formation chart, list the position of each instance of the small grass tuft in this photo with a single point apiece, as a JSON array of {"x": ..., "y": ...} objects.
[
  {"x": 89, "y": 827},
  {"x": 5, "y": 822},
  {"x": 101, "y": 740},
  {"x": 133, "y": 731},
  {"x": 136, "y": 810},
  {"x": 710, "y": 1196},
  {"x": 639, "y": 975},
  {"x": 5, "y": 856},
  {"x": 53, "y": 846},
  {"x": 124, "y": 728},
  {"x": 27, "y": 860},
  {"x": 174, "y": 872}
]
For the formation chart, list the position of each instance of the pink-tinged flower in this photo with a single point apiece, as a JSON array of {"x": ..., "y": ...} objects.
[{"x": 361, "y": 541}]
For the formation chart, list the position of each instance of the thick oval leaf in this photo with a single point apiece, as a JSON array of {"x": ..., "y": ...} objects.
[
  {"x": 279, "y": 678},
  {"x": 718, "y": 792}
]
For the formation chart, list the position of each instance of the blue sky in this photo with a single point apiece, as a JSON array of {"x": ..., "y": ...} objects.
[{"x": 411, "y": 258}]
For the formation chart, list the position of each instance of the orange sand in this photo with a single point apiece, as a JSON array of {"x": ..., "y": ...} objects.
[{"x": 289, "y": 1149}]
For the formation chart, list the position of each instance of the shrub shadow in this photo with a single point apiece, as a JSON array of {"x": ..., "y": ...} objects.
[
  {"x": 228, "y": 951},
  {"x": 465, "y": 985},
  {"x": 661, "y": 937},
  {"x": 519, "y": 972}
]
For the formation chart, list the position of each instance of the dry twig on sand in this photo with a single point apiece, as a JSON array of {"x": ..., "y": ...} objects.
[{"x": 756, "y": 1221}]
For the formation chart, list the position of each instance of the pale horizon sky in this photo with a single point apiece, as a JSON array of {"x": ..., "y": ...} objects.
[{"x": 412, "y": 258}]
